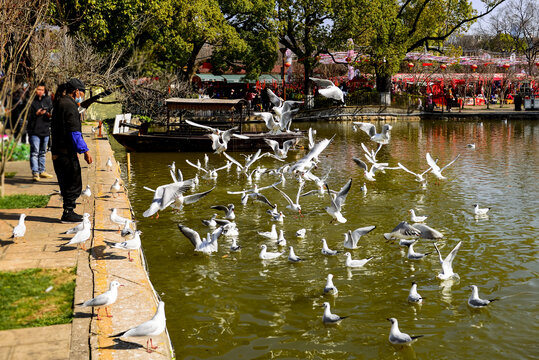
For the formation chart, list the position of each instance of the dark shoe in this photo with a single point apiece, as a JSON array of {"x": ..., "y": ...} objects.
[{"x": 69, "y": 216}]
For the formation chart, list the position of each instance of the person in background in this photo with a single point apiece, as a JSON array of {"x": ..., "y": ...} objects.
[
  {"x": 67, "y": 143},
  {"x": 39, "y": 129}
]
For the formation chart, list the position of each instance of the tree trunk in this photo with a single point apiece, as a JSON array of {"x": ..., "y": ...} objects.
[
  {"x": 308, "y": 84},
  {"x": 191, "y": 62}
]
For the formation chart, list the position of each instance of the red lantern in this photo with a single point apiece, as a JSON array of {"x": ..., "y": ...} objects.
[
  {"x": 506, "y": 66},
  {"x": 443, "y": 66},
  {"x": 287, "y": 64},
  {"x": 537, "y": 64},
  {"x": 348, "y": 59},
  {"x": 411, "y": 65},
  {"x": 474, "y": 67},
  {"x": 427, "y": 64}
]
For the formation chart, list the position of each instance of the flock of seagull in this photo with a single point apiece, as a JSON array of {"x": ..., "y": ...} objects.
[{"x": 303, "y": 172}]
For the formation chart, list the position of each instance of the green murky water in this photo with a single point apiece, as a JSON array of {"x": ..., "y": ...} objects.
[{"x": 235, "y": 306}]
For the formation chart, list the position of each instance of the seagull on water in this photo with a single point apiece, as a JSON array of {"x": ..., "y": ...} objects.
[
  {"x": 20, "y": 229},
  {"x": 272, "y": 235},
  {"x": 447, "y": 263},
  {"x": 330, "y": 288},
  {"x": 351, "y": 238},
  {"x": 412, "y": 255},
  {"x": 403, "y": 231},
  {"x": 327, "y": 251},
  {"x": 229, "y": 210},
  {"x": 301, "y": 233},
  {"x": 235, "y": 246},
  {"x": 165, "y": 195},
  {"x": 208, "y": 245},
  {"x": 327, "y": 89},
  {"x": 107, "y": 298},
  {"x": 396, "y": 337},
  {"x": 129, "y": 245},
  {"x": 381, "y": 138},
  {"x": 292, "y": 257},
  {"x": 413, "y": 295},
  {"x": 329, "y": 318},
  {"x": 356, "y": 263},
  {"x": 480, "y": 211},
  {"x": 475, "y": 302},
  {"x": 415, "y": 218},
  {"x": 211, "y": 222},
  {"x": 436, "y": 169},
  {"x": 281, "y": 241},
  {"x": 265, "y": 255},
  {"x": 337, "y": 202},
  {"x": 150, "y": 328}
]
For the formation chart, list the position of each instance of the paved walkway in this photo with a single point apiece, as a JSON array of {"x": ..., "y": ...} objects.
[{"x": 85, "y": 338}]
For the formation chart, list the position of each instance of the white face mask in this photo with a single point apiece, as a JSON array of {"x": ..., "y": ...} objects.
[{"x": 78, "y": 100}]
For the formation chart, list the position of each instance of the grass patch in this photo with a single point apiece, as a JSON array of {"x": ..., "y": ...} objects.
[
  {"x": 23, "y": 201},
  {"x": 25, "y": 302},
  {"x": 9, "y": 175}
]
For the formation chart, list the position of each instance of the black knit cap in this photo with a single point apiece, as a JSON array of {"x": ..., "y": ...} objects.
[{"x": 75, "y": 84}]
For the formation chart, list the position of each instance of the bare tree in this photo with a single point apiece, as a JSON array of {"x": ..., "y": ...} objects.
[{"x": 20, "y": 21}]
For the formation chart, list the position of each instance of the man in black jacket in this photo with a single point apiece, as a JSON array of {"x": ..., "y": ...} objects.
[
  {"x": 39, "y": 129},
  {"x": 67, "y": 143}
]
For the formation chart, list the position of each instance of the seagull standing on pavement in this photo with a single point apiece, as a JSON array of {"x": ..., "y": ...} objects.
[
  {"x": 115, "y": 188},
  {"x": 82, "y": 236},
  {"x": 109, "y": 164},
  {"x": 107, "y": 298},
  {"x": 150, "y": 328},
  {"x": 20, "y": 229},
  {"x": 129, "y": 245},
  {"x": 86, "y": 193}
]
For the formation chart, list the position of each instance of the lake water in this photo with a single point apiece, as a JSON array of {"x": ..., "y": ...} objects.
[{"x": 236, "y": 306}]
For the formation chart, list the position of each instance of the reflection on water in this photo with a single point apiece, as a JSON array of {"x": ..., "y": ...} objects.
[{"x": 233, "y": 305}]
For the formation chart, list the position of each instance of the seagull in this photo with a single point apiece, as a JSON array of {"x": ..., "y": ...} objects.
[
  {"x": 292, "y": 256},
  {"x": 370, "y": 129},
  {"x": 129, "y": 245},
  {"x": 403, "y": 231},
  {"x": 436, "y": 169},
  {"x": 328, "y": 317},
  {"x": 254, "y": 194},
  {"x": 78, "y": 227},
  {"x": 82, "y": 236},
  {"x": 337, "y": 202},
  {"x": 480, "y": 211},
  {"x": 364, "y": 189},
  {"x": 248, "y": 161},
  {"x": 86, "y": 193},
  {"x": 413, "y": 296},
  {"x": 415, "y": 218},
  {"x": 274, "y": 99},
  {"x": 327, "y": 89},
  {"x": 356, "y": 263},
  {"x": 294, "y": 206},
  {"x": 234, "y": 246},
  {"x": 279, "y": 216},
  {"x": 273, "y": 125},
  {"x": 330, "y": 289},
  {"x": 327, "y": 251},
  {"x": 109, "y": 164},
  {"x": 115, "y": 188},
  {"x": 20, "y": 229},
  {"x": 230, "y": 229},
  {"x": 107, "y": 298},
  {"x": 398, "y": 338},
  {"x": 281, "y": 241},
  {"x": 419, "y": 177},
  {"x": 206, "y": 160},
  {"x": 127, "y": 232},
  {"x": 211, "y": 222},
  {"x": 351, "y": 238},
  {"x": 301, "y": 233},
  {"x": 165, "y": 195},
  {"x": 272, "y": 235},
  {"x": 369, "y": 174},
  {"x": 182, "y": 200},
  {"x": 207, "y": 245},
  {"x": 310, "y": 136},
  {"x": 150, "y": 328},
  {"x": 115, "y": 218},
  {"x": 219, "y": 138},
  {"x": 265, "y": 255},
  {"x": 427, "y": 232},
  {"x": 307, "y": 162},
  {"x": 210, "y": 174},
  {"x": 280, "y": 152},
  {"x": 412, "y": 255},
  {"x": 229, "y": 210},
  {"x": 474, "y": 300},
  {"x": 447, "y": 263}
]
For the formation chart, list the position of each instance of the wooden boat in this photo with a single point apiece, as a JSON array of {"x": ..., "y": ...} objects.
[{"x": 179, "y": 136}]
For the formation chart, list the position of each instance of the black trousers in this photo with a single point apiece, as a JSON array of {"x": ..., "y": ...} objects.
[{"x": 67, "y": 169}]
